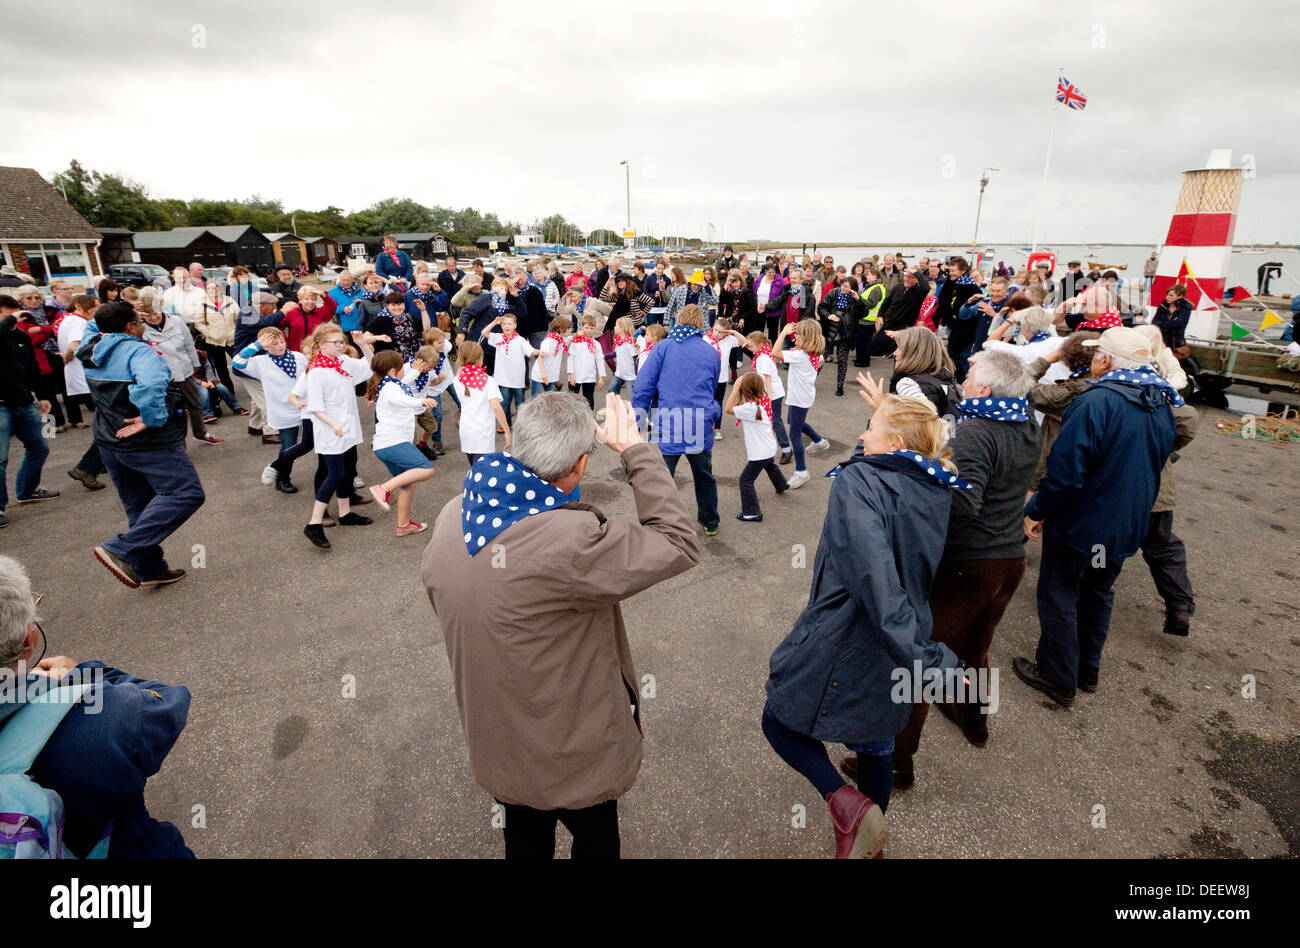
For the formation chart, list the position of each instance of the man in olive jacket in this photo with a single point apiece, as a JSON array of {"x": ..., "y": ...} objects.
[{"x": 526, "y": 584}]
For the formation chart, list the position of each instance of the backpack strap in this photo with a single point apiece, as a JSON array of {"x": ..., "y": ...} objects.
[{"x": 26, "y": 733}]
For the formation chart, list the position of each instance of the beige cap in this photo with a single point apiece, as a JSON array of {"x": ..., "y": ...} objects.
[{"x": 1123, "y": 342}]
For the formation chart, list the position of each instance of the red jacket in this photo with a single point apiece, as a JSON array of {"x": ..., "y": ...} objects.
[
  {"x": 39, "y": 336},
  {"x": 297, "y": 325}
]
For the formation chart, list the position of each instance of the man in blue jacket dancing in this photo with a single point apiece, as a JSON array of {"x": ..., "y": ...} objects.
[
  {"x": 1093, "y": 507},
  {"x": 140, "y": 431}
]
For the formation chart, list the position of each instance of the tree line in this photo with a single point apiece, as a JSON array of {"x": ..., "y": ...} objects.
[{"x": 110, "y": 200}]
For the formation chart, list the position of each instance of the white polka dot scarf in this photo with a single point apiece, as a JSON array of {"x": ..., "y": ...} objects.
[
  {"x": 936, "y": 470},
  {"x": 997, "y": 409},
  {"x": 500, "y": 492},
  {"x": 1145, "y": 375}
]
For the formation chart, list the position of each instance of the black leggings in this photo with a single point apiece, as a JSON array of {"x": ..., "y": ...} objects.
[
  {"x": 718, "y": 392},
  {"x": 588, "y": 392},
  {"x": 843, "y": 346},
  {"x": 47, "y": 388},
  {"x": 219, "y": 356},
  {"x": 530, "y": 834},
  {"x": 334, "y": 475},
  {"x": 305, "y": 444}
]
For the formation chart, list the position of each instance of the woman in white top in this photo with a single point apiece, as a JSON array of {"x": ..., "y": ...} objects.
[
  {"x": 1037, "y": 339},
  {"x": 396, "y": 408},
  {"x": 755, "y": 411},
  {"x": 72, "y": 327},
  {"x": 331, "y": 381},
  {"x": 805, "y": 361}
]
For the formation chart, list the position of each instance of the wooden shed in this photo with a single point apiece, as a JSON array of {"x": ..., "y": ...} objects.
[
  {"x": 181, "y": 247},
  {"x": 116, "y": 245}
]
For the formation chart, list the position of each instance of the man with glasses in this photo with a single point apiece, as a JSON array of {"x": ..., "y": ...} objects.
[{"x": 140, "y": 431}]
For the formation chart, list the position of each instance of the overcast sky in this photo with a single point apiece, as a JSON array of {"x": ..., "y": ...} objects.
[{"x": 793, "y": 121}]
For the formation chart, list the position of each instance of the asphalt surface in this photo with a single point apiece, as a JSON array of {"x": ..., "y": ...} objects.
[{"x": 278, "y": 762}]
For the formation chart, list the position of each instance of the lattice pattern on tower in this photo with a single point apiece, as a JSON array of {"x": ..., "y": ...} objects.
[{"x": 1210, "y": 192}]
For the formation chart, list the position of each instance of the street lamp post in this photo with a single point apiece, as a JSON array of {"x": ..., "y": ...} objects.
[
  {"x": 984, "y": 180},
  {"x": 627, "y": 168}
]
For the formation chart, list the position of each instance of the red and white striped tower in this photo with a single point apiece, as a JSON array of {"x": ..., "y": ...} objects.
[{"x": 1200, "y": 240}]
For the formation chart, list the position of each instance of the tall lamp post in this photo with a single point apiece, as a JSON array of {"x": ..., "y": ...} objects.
[
  {"x": 984, "y": 180},
  {"x": 627, "y": 168}
]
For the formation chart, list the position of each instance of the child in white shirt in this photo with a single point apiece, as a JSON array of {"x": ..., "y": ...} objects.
[
  {"x": 755, "y": 411},
  {"x": 269, "y": 360},
  {"x": 510, "y": 365},
  {"x": 586, "y": 361},
  {"x": 395, "y": 409},
  {"x": 480, "y": 404},
  {"x": 429, "y": 374},
  {"x": 724, "y": 339},
  {"x": 625, "y": 355},
  {"x": 765, "y": 366},
  {"x": 548, "y": 362},
  {"x": 805, "y": 361}
]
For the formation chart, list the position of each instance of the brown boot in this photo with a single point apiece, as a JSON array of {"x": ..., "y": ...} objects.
[{"x": 860, "y": 828}]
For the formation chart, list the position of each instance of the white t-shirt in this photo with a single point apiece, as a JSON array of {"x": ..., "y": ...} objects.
[
  {"x": 586, "y": 365},
  {"x": 552, "y": 359},
  {"x": 187, "y": 303},
  {"x": 409, "y": 375},
  {"x": 280, "y": 413},
  {"x": 71, "y": 329},
  {"x": 511, "y": 361},
  {"x": 625, "y": 354},
  {"x": 725, "y": 345},
  {"x": 803, "y": 378},
  {"x": 760, "y": 442},
  {"x": 764, "y": 366},
  {"x": 763, "y": 291},
  {"x": 395, "y": 413},
  {"x": 335, "y": 395},
  {"x": 478, "y": 423}
]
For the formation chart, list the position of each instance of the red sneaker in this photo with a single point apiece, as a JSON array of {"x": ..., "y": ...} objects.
[
  {"x": 411, "y": 526},
  {"x": 381, "y": 496},
  {"x": 860, "y": 828},
  {"x": 210, "y": 439}
]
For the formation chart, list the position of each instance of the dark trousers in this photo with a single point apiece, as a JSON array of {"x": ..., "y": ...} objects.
[
  {"x": 91, "y": 462},
  {"x": 706, "y": 487},
  {"x": 967, "y": 601},
  {"x": 798, "y": 428},
  {"x": 193, "y": 406},
  {"x": 718, "y": 392},
  {"x": 959, "y": 340},
  {"x": 772, "y": 322},
  {"x": 294, "y": 443},
  {"x": 327, "y": 473},
  {"x": 588, "y": 392},
  {"x": 748, "y": 495},
  {"x": 808, "y": 756},
  {"x": 159, "y": 490},
  {"x": 219, "y": 356},
  {"x": 866, "y": 332},
  {"x": 74, "y": 404},
  {"x": 882, "y": 344},
  {"x": 842, "y": 349},
  {"x": 1074, "y": 604},
  {"x": 530, "y": 834},
  {"x": 778, "y": 424},
  {"x": 46, "y": 387},
  {"x": 1167, "y": 558},
  {"x": 25, "y": 425}
]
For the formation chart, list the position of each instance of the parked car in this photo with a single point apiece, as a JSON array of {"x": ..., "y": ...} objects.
[{"x": 139, "y": 274}]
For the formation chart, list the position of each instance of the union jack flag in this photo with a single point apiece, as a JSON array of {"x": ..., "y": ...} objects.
[{"x": 1068, "y": 94}]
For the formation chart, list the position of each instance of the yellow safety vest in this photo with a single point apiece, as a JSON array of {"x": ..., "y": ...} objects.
[{"x": 875, "y": 310}]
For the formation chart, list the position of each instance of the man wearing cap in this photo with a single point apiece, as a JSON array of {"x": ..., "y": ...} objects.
[
  {"x": 725, "y": 263},
  {"x": 1093, "y": 507},
  {"x": 285, "y": 288},
  {"x": 1074, "y": 282}
]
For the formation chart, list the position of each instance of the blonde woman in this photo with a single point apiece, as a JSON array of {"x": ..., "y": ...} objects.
[
  {"x": 924, "y": 370},
  {"x": 868, "y": 613},
  {"x": 216, "y": 324}
]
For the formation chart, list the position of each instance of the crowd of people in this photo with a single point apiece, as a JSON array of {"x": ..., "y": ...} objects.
[{"x": 1017, "y": 410}]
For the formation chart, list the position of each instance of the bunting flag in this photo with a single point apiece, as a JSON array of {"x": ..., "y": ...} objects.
[
  {"x": 1239, "y": 332},
  {"x": 1238, "y": 293},
  {"x": 1270, "y": 319}
]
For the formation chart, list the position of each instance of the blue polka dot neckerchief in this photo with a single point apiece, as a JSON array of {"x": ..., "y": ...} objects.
[
  {"x": 680, "y": 333},
  {"x": 936, "y": 470},
  {"x": 996, "y": 409},
  {"x": 499, "y": 303},
  {"x": 1145, "y": 375},
  {"x": 499, "y": 492},
  {"x": 287, "y": 363}
]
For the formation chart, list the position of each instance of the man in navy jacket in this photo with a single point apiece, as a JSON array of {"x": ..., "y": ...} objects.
[
  {"x": 1093, "y": 508},
  {"x": 679, "y": 376}
]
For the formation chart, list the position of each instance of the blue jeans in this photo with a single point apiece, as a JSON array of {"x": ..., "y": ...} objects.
[
  {"x": 509, "y": 397},
  {"x": 205, "y": 398},
  {"x": 25, "y": 424},
  {"x": 798, "y": 428},
  {"x": 618, "y": 385},
  {"x": 159, "y": 490},
  {"x": 1074, "y": 605},
  {"x": 808, "y": 756},
  {"x": 778, "y": 424},
  {"x": 706, "y": 487},
  {"x": 538, "y": 386}
]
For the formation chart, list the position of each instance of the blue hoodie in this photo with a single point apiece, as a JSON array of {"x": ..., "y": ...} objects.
[
  {"x": 129, "y": 378},
  {"x": 684, "y": 375},
  {"x": 1104, "y": 470}
]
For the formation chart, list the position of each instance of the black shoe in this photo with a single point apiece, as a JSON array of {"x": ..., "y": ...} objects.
[
  {"x": 1178, "y": 621},
  {"x": 285, "y": 487},
  {"x": 4, "y": 521},
  {"x": 120, "y": 568},
  {"x": 316, "y": 533},
  {"x": 439, "y": 450},
  {"x": 356, "y": 500},
  {"x": 1027, "y": 672},
  {"x": 427, "y": 451},
  {"x": 1088, "y": 679},
  {"x": 786, "y": 458},
  {"x": 351, "y": 519},
  {"x": 39, "y": 494},
  {"x": 839, "y": 389},
  {"x": 755, "y": 519},
  {"x": 163, "y": 578}
]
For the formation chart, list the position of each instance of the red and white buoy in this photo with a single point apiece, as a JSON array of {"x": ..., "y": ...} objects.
[{"x": 1197, "y": 250}]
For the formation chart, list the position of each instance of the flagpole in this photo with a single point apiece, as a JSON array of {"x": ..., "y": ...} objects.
[{"x": 1042, "y": 191}]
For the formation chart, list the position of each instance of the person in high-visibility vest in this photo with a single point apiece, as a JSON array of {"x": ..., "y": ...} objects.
[{"x": 872, "y": 296}]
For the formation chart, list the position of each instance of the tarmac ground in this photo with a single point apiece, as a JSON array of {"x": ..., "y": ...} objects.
[{"x": 1191, "y": 747}]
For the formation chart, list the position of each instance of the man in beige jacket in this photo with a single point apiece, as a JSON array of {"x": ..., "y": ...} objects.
[{"x": 526, "y": 584}]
